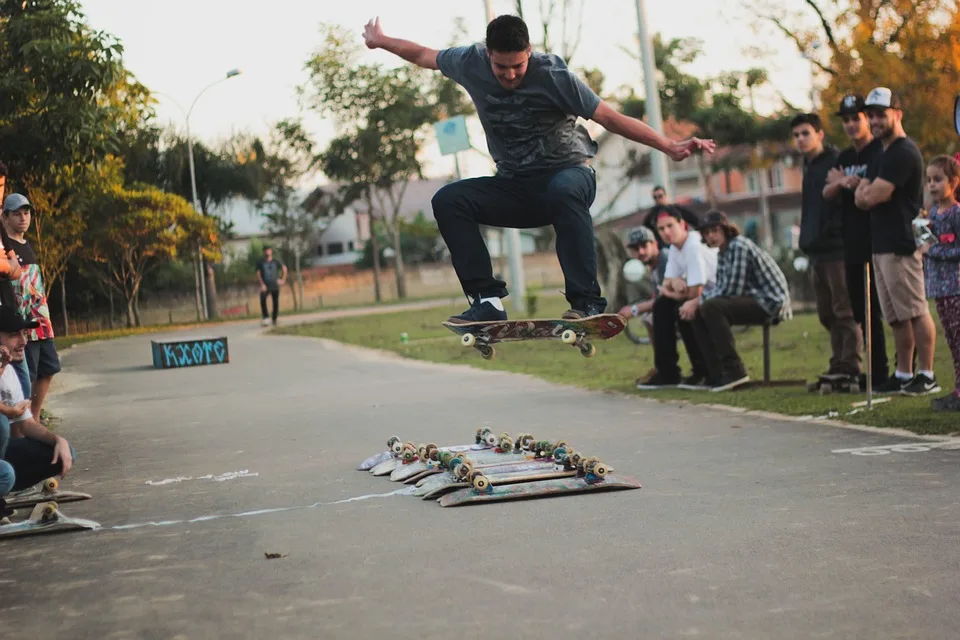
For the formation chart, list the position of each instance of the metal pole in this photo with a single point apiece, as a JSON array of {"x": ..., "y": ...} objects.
[
  {"x": 658, "y": 161},
  {"x": 869, "y": 333},
  {"x": 196, "y": 206},
  {"x": 512, "y": 236}
]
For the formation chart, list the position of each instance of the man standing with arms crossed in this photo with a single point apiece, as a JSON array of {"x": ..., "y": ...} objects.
[
  {"x": 842, "y": 182},
  {"x": 528, "y": 104},
  {"x": 893, "y": 193}
]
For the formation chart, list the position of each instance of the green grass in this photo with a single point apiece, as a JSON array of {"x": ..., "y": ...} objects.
[{"x": 799, "y": 350}]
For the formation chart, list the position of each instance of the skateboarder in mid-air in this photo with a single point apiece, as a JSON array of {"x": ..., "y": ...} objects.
[{"x": 528, "y": 104}]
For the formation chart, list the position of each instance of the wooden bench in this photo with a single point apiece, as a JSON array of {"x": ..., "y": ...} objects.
[{"x": 192, "y": 352}]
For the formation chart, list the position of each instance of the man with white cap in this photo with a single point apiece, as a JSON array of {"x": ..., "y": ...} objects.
[{"x": 893, "y": 194}]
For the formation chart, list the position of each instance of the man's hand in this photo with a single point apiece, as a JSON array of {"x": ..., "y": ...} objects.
[
  {"x": 61, "y": 453},
  {"x": 263, "y": 288},
  {"x": 627, "y": 311},
  {"x": 835, "y": 175},
  {"x": 5, "y": 357},
  {"x": 686, "y": 148},
  {"x": 852, "y": 182},
  {"x": 373, "y": 34},
  {"x": 689, "y": 309},
  {"x": 281, "y": 282}
]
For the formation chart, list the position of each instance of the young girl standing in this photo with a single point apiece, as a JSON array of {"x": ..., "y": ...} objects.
[{"x": 942, "y": 261}]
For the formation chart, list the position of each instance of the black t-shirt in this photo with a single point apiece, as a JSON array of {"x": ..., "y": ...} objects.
[
  {"x": 857, "y": 241},
  {"x": 901, "y": 164}
]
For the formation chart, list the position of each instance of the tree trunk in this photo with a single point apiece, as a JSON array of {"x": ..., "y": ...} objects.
[
  {"x": 63, "y": 303},
  {"x": 706, "y": 175},
  {"x": 398, "y": 262},
  {"x": 610, "y": 258},
  {"x": 212, "y": 310},
  {"x": 299, "y": 275},
  {"x": 376, "y": 260},
  {"x": 765, "y": 210},
  {"x": 130, "y": 316},
  {"x": 136, "y": 307},
  {"x": 196, "y": 282},
  {"x": 112, "y": 311}
]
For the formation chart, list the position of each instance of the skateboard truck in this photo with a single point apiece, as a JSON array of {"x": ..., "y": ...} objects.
[
  {"x": 485, "y": 349},
  {"x": 575, "y": 338}
]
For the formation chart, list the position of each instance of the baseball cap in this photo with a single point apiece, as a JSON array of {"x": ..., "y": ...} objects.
[
  {"x": 640, "y": 236},
  {"x": 12, "y": 322},
  {"x": 882, "y": 98},
  {"x": 15, "y": 201},
  {"x": 713, "y": 219},
  {"x": 850, "y": 105}
]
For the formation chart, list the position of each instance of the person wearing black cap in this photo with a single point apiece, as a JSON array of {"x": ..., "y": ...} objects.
[
  {"x": 643, "y": 246},
  {"x": 751, "y": 289},
  {"x": 29, "y": 452},
  {"x": 842, "y": 181},
  {"x": 892, "y": 192}
]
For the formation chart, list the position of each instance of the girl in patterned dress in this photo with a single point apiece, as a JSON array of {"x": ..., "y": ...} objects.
[{"x": 942, "y": 261}]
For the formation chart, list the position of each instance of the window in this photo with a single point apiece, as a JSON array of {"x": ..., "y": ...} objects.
[
  {"x": 334, "y": 248},
  {"x": 776, "y": 176},
  {"x": 753, "y": 185},
  {"x": 350, "y": 246},
  {"x": 319, "y": 249}
]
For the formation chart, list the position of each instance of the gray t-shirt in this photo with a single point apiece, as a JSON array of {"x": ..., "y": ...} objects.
[
  {"x": 532, "y": 128},
  {"x": 270, "y": 272}
]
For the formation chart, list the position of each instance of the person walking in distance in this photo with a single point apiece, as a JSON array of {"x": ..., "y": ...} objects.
[
  {"x": 942, "y": 262},
  {"x": 821, "y": 238},
  {"x": 42, "y": 358},
  {"x": 842, "y": 181},
  {"x": 272, "y": 274}
]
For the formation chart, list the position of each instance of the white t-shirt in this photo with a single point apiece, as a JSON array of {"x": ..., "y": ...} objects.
[
  {"x": 695, "y": 262},
  {"x": 11, "y": 393}
]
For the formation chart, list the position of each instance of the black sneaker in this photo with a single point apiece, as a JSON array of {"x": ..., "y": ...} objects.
[
  {"x": 587, "y": 311},
  {"x": 729, "y": 381},
  {"x": 921, "y": 385},
  {"x": 5, "y": 511},
  {"x": 946, "y": 403},
  {"x": 658, "y": 381},
  {"x": 479, "y": 312},
  {"x": 892, "y": 385},
  {"x": 695, "y": 382}
]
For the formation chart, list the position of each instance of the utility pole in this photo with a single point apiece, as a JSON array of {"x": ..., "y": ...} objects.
[
  {"x": 658, "y": 160},
  {"x": 514, "y": 248}
]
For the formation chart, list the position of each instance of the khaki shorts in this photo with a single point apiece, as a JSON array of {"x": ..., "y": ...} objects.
[{"x": 900, "y": 286}]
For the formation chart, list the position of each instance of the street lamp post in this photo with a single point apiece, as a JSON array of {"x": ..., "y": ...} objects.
[
  {"x": 193, "y": 179},
  {"x": 658, "y": 161}
]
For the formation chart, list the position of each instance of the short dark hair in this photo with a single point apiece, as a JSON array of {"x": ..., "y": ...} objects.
[
  {"x": 659, "y": 187},
  {"x": 267, "y": 248},
  {"x": 3, "y": 170},
  {"x": 811, "y": 119},
  {"x": 507, "y": 34}
]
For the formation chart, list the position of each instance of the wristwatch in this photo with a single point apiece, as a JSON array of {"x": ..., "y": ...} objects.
[{"x": 635, "y": 311}]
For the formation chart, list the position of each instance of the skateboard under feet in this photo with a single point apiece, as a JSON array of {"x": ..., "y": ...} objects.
[
  {"x": 483, "y": 335},
  {"x": 840, "y": 383}
]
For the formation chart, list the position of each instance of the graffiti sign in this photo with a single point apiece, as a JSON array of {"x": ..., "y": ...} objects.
[{"x": 189, "y": 353}]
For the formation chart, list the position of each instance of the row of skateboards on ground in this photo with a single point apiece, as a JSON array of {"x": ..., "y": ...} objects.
[
  {"x": 494, "y": 468},
  {"x": 40, "y": 505}
]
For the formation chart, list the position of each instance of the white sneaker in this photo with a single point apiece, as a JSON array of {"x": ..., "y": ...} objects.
[{"x": 265, "y": 322}]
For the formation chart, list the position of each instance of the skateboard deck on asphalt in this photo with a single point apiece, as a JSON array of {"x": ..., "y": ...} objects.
[
  {"x": 47, "y": 491},
  {"x": 525, "y": 466},
  {"x": 539, "y": 489},
  {"x": 484, "y": 440},
  {"x": 482, "y": 335},
  {"x": 479, "y": 458},
  {"x": 45, "y": 518},
  {"x": 501, "y": 479}
]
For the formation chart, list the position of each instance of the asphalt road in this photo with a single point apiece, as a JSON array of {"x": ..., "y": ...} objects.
[{"x": 747, "y": 526}]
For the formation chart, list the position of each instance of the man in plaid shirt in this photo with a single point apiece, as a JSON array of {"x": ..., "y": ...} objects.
[{"x": 750, "y": 289}]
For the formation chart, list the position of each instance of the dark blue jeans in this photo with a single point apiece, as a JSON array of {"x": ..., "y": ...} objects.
[{"x": 560, "y": 199}]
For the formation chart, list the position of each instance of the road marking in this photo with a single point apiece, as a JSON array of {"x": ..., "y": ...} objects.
[
  {"x": 905, "y": 447},
  {"x": 229, "y": 475}
]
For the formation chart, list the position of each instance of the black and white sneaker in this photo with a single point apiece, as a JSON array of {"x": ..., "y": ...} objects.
[
  {"x": 479, "y": 312},
  {"x": 892, "y": 385},
  {"x": 695, "y": 382},
  {"x": 658, "y": 381},
  {"x": 921, "y": 385},
  {"x": 730, "y": 381}
]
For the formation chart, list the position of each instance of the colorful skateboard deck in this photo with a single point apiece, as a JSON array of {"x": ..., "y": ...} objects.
[
  {"x": 481, "y": 335},
  {"x": 446, "y": 479},
  {"x": 501, "y": 479},
  {"x": 47, "y": 491},
  {"x": 539, "y": 489},
  {"x": 45, "y": 518}
]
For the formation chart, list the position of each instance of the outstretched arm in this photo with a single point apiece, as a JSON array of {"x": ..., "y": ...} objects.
[
  {"x": 419, "y": 55},
  {"x": 638, "y": 131}
]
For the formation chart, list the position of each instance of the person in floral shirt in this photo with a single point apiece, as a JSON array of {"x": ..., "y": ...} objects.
[{"x": 41, "y": 354}]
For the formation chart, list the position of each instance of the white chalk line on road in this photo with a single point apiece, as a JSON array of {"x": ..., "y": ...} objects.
[
  {"x": 258, "y": 512},
  {"x": 229, "y": 475},
  {"x": 905, "y": 447}
]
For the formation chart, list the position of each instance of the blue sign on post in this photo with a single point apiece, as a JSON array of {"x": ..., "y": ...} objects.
[{"x": 452, "y": 135}]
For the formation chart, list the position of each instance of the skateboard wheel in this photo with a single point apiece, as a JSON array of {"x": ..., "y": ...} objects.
[
  {"x": 600, "y": 469},
  {"x": 562, "y": 443},
  {"x": 488, "y": 353},
  {"x": 391, "y": 441},
  {"x": 587, "y": 350},
  {"x": 50, "y": 484},
  {"x": 490, "y": 440},
  {"x": 468, "y": 340},
  {"x": 397, "y": 448},
  {"x": 480, "y": 483},
  {"x": 569, "y": 336},
  {"x": 49, "y": 509},
  {"x": 826, "y": 389}
]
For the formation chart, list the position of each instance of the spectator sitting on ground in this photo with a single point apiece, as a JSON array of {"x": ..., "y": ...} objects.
[
  {"x": 691, "y": 269},
  {"x": 642, "y": 246},
  {"x": 751, "y": 289},
  {"x": 29, "y": 453}
]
